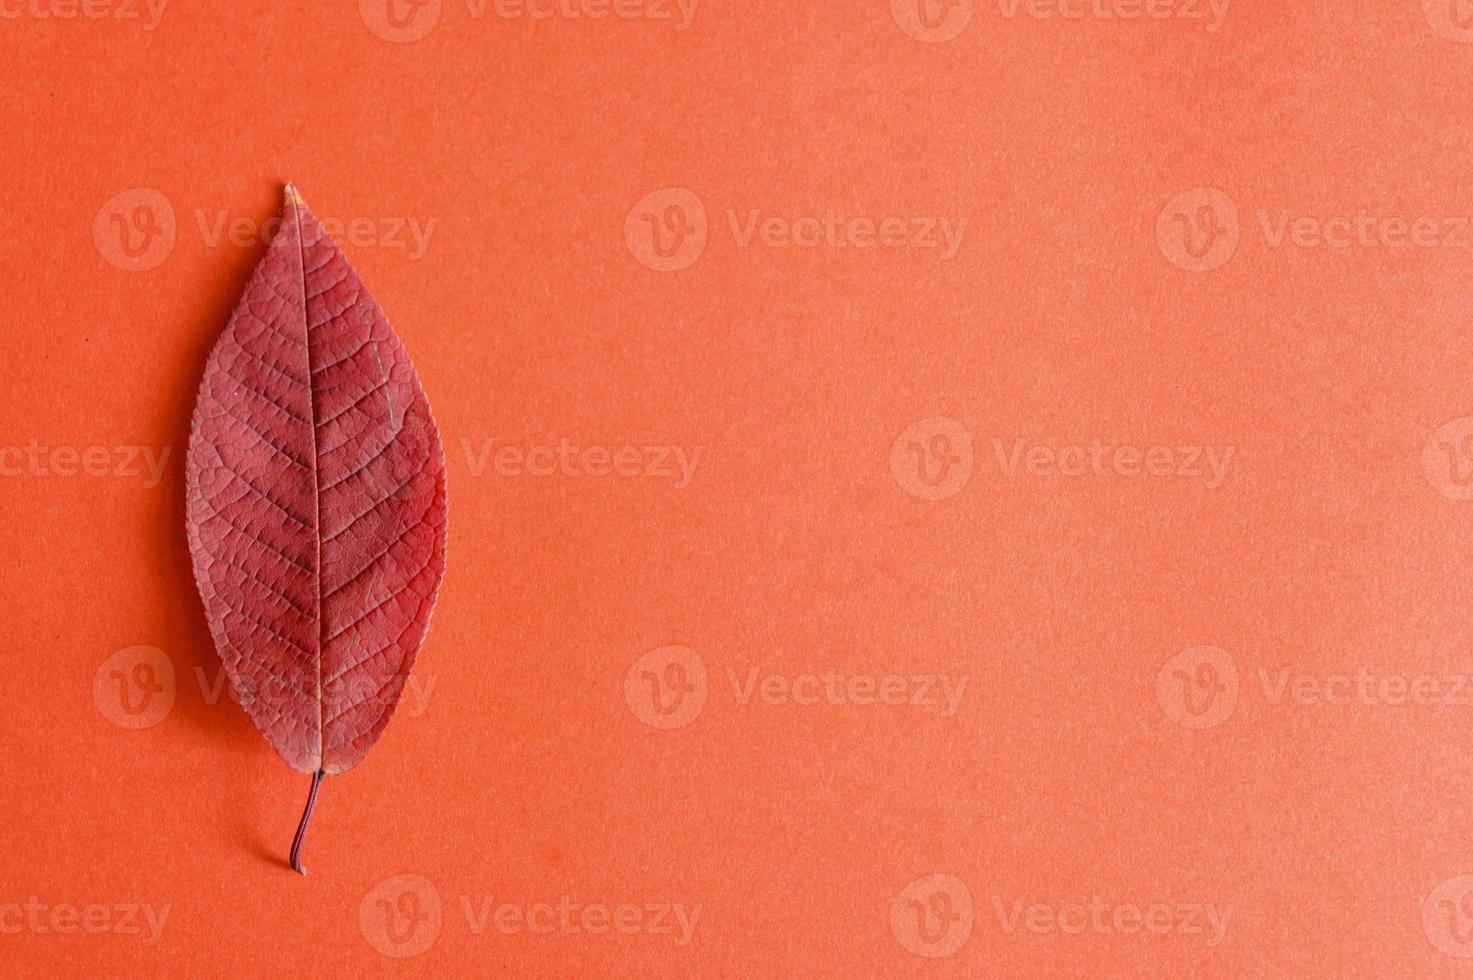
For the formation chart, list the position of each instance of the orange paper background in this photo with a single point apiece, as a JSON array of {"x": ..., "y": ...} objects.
[{"x": 848, "y": 513}]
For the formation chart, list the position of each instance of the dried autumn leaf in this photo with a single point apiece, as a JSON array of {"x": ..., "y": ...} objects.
[{"x": 317, "y": 507}]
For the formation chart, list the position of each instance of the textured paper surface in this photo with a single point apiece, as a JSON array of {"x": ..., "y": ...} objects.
[{"x": 727, "y": 413}]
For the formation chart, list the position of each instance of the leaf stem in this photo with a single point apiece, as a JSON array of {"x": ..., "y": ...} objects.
[{"x": 302, "y": 827}]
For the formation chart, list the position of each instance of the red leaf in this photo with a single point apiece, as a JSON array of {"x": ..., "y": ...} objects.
[{"x": 316, "y": 503}]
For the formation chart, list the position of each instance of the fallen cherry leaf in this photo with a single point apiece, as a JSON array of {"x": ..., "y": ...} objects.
[{"x": 317, "y": 508}]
